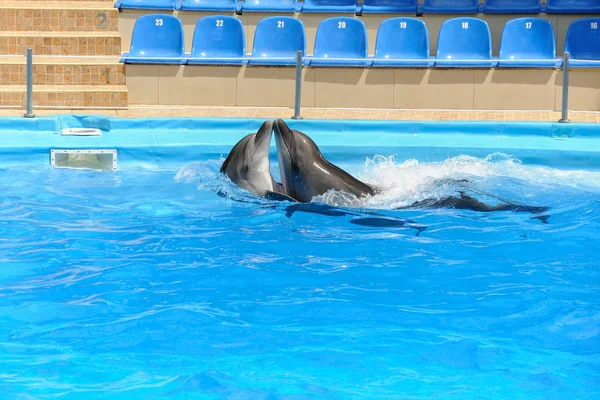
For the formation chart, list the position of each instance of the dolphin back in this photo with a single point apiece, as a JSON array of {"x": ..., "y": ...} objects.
[{"x": 349, "y": 182}]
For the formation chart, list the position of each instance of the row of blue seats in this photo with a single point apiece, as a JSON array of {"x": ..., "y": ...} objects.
[
  {"x": 371, "y": 6},
  {"x": 342, "y": 41}
]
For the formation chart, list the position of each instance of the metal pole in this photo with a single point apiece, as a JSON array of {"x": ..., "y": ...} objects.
[
  {"x": 565, "y": 93},
  {"x": 29, "y": 113},
  {"x": 298, "y": 85}
]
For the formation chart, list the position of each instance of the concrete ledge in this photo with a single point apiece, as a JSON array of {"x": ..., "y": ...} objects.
[{"x": 443, "y": 89}]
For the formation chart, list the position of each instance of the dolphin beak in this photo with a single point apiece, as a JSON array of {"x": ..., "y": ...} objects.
[
  {"x": 265, "y": 130},
  {"x": 263, "y": 136},
  {"x": 283, "y": 134}
]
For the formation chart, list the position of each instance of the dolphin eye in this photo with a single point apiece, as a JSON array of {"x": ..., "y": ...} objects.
[{"x": 245, "y": 169}]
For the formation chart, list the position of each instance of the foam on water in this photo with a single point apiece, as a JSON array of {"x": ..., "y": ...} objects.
[{"x": 496, "y": 178}]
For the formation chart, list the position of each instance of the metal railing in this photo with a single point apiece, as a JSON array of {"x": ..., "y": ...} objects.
[
  {"x": 300, "y": 61},
  {"x": 565, "y": 89},
  {"x": 29, "y": 113}
]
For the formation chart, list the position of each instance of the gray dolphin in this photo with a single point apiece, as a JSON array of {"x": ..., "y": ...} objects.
[
  {"x": 247, "y": 164},
  {"x": 305, "y": 173}
]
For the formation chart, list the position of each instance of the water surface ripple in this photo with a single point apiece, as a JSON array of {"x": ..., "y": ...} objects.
[{"x": 149, "y": 285}]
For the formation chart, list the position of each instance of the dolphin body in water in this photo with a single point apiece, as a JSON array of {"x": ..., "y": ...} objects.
[{"x": 305, "y": 173}]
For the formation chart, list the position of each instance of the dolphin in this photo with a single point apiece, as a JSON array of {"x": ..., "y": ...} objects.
[
  {"x": 305, "y": 173},
  {"x": 247, "y": 164}
]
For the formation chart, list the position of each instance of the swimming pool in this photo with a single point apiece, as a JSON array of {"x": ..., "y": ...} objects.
[{"x": 162, "y": 280}]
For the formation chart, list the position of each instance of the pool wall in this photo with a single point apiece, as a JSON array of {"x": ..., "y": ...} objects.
[{"x": 157, "y": 143}]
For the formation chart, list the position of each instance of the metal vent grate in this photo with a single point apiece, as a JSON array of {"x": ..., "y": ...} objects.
[{"x": 104, "y": 160}]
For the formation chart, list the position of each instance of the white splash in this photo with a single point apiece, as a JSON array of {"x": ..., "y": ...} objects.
[{"x": 497, "y": 176}]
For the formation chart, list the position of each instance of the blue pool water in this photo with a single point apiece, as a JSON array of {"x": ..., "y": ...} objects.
[
  {"x": 163, "y": 280},
  {"x": 175, "y": 284}
]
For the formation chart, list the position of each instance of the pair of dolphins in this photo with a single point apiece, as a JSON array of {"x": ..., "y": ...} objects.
[{"x": 305, "y": 173}]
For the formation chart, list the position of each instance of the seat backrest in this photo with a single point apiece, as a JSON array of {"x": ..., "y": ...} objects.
[
  {"x": 402, "y": 38},
  {"x": 266, "y": 4},
  {"x": 341, "y": 37},
  {"x": 448, "y": 6},
  {"x": 524, "y": 38},
  {"x": 210, "y": 4},
  {"x": 512, "y": 6},
  {"x": 390, "y": 3},
  {"x": 464, "y": 38},
  {"x": 337, "y": 3},
  {"x": 147, "y": 4},
  {"x": 219, "y": 36},
  {"x": 279, "y": 37},
  {"x": 573, "y": 6},
  {"x": 157, "y": 35},
  {"x": 583, "y": 39}
]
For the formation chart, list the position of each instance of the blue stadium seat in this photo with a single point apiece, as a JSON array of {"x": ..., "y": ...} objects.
[
  {"x": 278, "y": 37},
  {"x": 156, "y": 39},
  {"x": 389, "y": 6},
  {"x": 402, "y": 38},
  {"x": 340, "y": 37},
  {"x": 583, "y": 42},
  {"x": 450, "y": 6},
  {"x": 209, "y": 5},
  {"x": 333, "y": 6},
  {"x": 464, "y": 42},
  {"x": 218, "y": 39},
  {"x": 528, "y": 42},
  {"x": 512, "y": 6},
  {"x": 147, "y": 4},
  {"x": 270, "y": 6},
  {"x": 573, "y": 6}
]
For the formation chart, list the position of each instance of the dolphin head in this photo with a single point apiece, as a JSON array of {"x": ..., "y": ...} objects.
[
  {"x": 247, "y": 164},
  {"x": 305, "y": 173},
  {"x": 295, "y": 151}
]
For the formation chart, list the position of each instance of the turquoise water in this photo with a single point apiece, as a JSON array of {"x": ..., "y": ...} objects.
[{"x": 175, "y": 284}]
